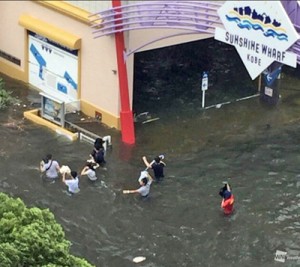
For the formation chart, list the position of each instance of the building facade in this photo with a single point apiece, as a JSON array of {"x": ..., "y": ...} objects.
[
  {"x": 71, "y": 50},
  {"x": 52, "y": 46}
]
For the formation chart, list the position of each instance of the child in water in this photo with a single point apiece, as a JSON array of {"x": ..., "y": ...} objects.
[{"x": 228, "y": 199}]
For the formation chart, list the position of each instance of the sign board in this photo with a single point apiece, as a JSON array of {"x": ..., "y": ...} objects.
[
  {"x": 261, "y": 32},
  {"x": 53, "y": 109},
  {"x": 204, "y": 81},
  {"x": 53, "y": 68},
  {"x": 268, "y": 91}
]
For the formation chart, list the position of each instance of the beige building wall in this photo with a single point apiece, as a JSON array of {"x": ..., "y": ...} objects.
[
  {"x": 98, "y": 89},
  {"x": 12, "y": 40}
]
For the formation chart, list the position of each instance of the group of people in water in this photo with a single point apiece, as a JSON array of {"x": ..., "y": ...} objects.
[
  {"x": 52, "y": 170},
  {"x": 145, "y": 180},
  {"x": 158, "y": 165}
]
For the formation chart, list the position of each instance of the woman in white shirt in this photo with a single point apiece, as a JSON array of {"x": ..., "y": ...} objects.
[
  {"x": 50, "y": 167},
  {"x": 72, "y": 182},
  {"x": 89, "y": 170}
]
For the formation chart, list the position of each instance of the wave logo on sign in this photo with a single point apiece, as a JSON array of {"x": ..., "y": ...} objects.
[{"x": 249, "y": 19}]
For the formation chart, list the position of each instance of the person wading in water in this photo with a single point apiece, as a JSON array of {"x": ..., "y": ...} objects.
[{"x": 228, "y": 199}]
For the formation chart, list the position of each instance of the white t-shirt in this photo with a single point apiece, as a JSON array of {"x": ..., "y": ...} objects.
[
  {"x": 73, "y": 185},
  {"x": 91, "y": 175},
  {"x": 145, "y": 189},
  {"x": 52, "y": 171},
  {"x": 143, "y": 175}
]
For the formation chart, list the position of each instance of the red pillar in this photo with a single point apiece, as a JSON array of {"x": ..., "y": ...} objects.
[{"x": 126, "y": 116}]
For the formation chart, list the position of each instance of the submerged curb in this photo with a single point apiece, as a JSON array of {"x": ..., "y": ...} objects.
[{"x": 33, "y": 116}]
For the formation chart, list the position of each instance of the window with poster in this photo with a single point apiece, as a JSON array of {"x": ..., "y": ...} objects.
[{"x": 53, "y": 110}]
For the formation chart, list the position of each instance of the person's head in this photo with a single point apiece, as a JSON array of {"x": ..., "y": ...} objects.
[
  {"x": 144, "y": 181},
  {"x": 226, "y": 194},
  {"x": 98, "y": 146},
  {"x": 157, "y": 159},
  {"x": 74, "y": 174},
  {"x": 98, "y": 143},
  {"x": 47, "y": 158},
  {"x": 91, "y": 165}
]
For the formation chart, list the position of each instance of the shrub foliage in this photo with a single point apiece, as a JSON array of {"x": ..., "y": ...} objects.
[
  {"x": 5, "y": 96},
  {"x": 32, "y": 237}
]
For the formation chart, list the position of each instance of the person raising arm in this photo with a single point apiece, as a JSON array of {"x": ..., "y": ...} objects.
[
  {"x": 89, "y": 170},
  {"x": 144, "y": 189},
  {"x": 157, "y": 165},
  {"x": 71, "y": 182},
  {"x": 228, "y": 199}
]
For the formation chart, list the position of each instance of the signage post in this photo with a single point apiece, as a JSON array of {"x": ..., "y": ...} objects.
[
  {"x": 271, "y": 84},
  {"x": 204, "y": 86}
]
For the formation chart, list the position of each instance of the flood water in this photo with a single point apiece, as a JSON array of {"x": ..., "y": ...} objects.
[{"x": 253, "y": 146}]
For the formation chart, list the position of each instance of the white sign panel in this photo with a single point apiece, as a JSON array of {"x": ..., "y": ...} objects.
[
  {"x": 204, "y": 82},
  {"x": 268, "y": 91},
  {"x": 261, "y": 32},
  {"x": 53, "y": 68}
]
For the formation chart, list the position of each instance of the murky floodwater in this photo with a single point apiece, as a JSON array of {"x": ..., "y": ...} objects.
[{"x": 181, "y": 223}]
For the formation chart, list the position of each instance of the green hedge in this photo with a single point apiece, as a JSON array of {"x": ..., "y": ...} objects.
[
  {"x": 32, "y": 237},
  {"x": 6, "y": 98}
]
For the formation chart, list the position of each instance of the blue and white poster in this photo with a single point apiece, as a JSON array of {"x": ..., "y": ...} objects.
[{"x": 53, "y": 68}]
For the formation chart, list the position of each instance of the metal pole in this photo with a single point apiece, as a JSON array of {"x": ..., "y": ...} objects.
[
  {"x": 203, "y": 98},
  {"x": 259, "y": 83}
]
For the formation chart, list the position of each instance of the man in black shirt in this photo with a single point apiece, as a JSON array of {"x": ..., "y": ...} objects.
[{"x": 157, "y": 165}]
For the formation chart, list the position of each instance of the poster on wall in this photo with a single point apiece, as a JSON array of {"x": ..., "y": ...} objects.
[{"x": 53, "y": 68}]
